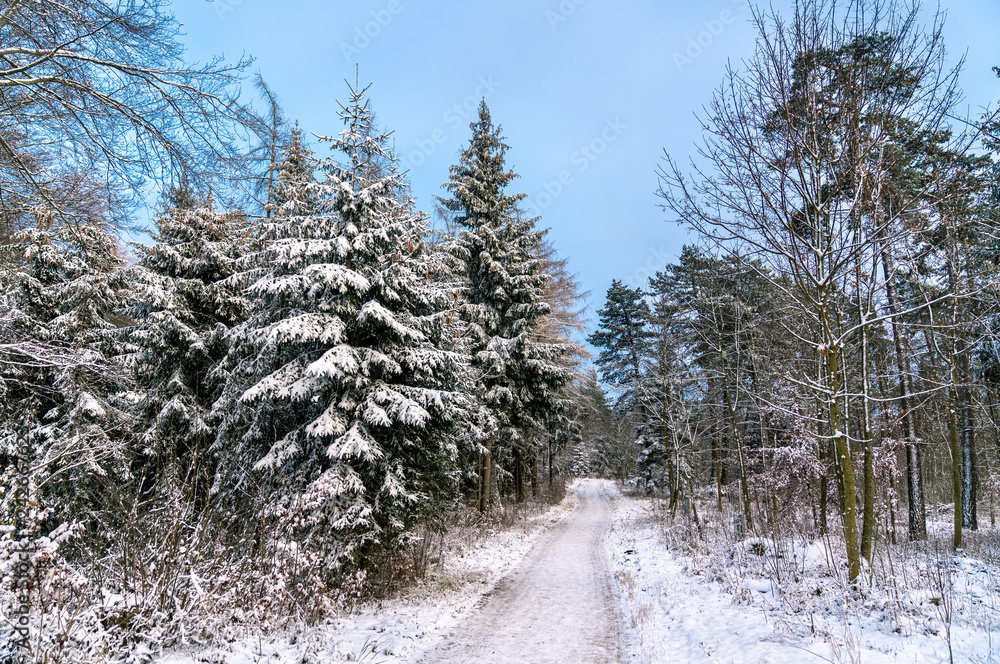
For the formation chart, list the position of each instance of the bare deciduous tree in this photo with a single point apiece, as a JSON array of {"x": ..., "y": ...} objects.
[
  {"x": 101, "y": 86},
  {"x": 797, "y": 166}
]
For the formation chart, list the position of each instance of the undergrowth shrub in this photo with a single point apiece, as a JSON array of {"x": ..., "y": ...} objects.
[{"x": 908, "y": 587}]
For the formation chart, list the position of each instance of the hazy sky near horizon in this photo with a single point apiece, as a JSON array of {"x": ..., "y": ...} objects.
[{"x": 589, "y": 94}]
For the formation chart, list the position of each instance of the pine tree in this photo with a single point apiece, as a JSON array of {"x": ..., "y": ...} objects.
[
  {"x": 184, "y": 308},
  {"x": 624, "y": 336},
  {"x": 341, "y": 387},
  {"x": 59, "y": 307},
  {"x": 294, "y": 174},
  {"x": 580, "y": 463},
  {"x": 597, "y": 423},
  {"x": 516, "y": 375}
]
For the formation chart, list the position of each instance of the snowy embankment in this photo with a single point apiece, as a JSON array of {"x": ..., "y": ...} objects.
[
  {"x": 401, "y": 629},
  {"x": 755, "y": 603}
]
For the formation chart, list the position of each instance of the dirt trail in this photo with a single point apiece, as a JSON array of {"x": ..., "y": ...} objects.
[{"x": 556, "y": 607}]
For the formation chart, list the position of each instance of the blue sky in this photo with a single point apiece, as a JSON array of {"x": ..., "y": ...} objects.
[{"x": 589, "y": 93}]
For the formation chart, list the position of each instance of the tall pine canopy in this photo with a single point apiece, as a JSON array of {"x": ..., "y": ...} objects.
[
  {"x": 341, "y": 388},
  {"x": 626, "y": 344},
  {"x": 624, "y": 338},
  {"x": 516, "y": 372}
]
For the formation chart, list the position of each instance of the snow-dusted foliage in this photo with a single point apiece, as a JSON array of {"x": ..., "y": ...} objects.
[
  {"x": 184, "y": 310},
  {"x": 623, "y": 334},
  {"x": 33, "y": 551},
  {"x": 341, "y": 388},
  {"x": 516, "y": 373},
  {"x": 581, "y": 463},
  {"x": 60, "y": 291}
]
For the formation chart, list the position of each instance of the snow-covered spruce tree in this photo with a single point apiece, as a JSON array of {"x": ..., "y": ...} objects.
[
  {"x": 340, "y": 394},
  {"x": 516, "y": 375},
  {"x": 184, "y": 310},
  {"x": 291, "y": 195},
  {"x": 597, "y": 426},
  {"x": 580, "y": 462},
  {"x": 625, "y": 341},
  {"x": 60, "y": 290}
]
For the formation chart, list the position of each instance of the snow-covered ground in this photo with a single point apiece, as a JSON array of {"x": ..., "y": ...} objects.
[
  {"x": 729, "y": 608},
  {"x": 680, "y": 599},
  {"x": 558, "y": 606},
  {"x": 402, "y": 629}
]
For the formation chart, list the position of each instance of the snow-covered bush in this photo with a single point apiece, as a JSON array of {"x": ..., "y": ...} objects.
[
  {"x": 43, "y": 598},
  {"x": 58, "y": 308}
]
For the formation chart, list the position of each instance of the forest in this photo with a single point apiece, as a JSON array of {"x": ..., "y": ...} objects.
[
  {"x": 268, "y": 405},
  {"x": 831, "y": 341}
]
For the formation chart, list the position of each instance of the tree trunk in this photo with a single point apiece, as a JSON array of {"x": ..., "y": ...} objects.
[
  {"x": 914, "y": 478},
  {"x": 970, "y": 488},
  {"x": 845, "y": 468},
  {"x": 486, "y": 477},
  {"x": 552, "y": 472},
  {"x": 823, "y": 454},
  {"x": 868, "y": 526},
  {"x": 868, "y": 523},
  {"x": 716, "y": 468},
  {"x": 520, "y": 493},
  {"x": 668, "y": 450},
  {"x": 534, "y": 475},
  {"x": 744, "y": 484},
  {"x": 824, "y": 486},
  {"x": 962, "y": 403},
  {"x": 956, "y": 468}
]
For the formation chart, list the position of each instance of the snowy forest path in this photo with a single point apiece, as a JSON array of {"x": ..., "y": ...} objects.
[{"x": 557, "y": 606}]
